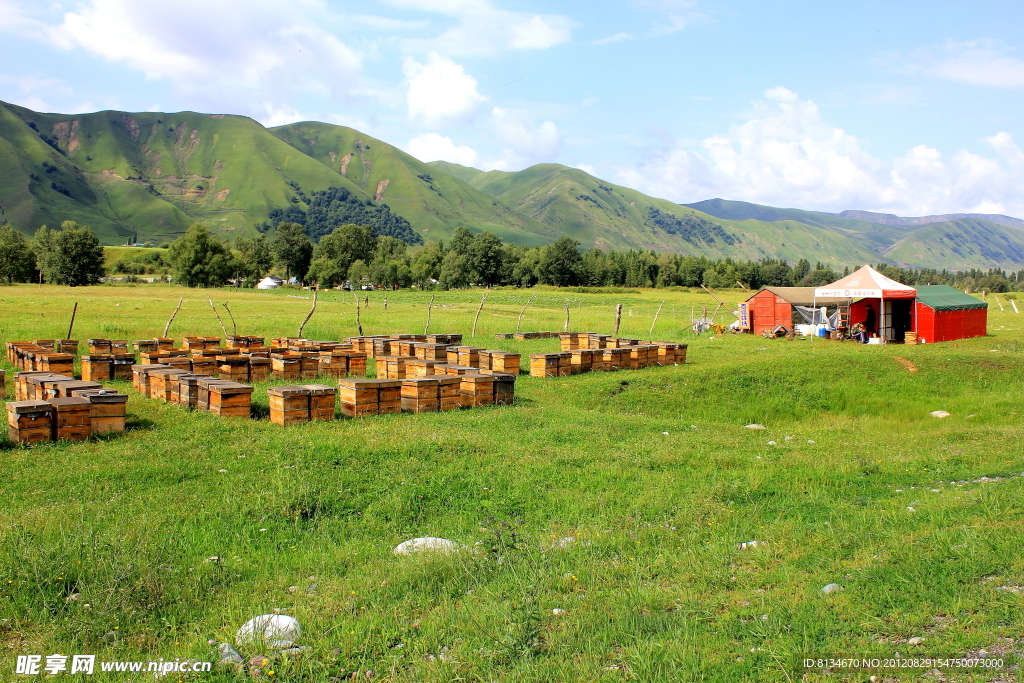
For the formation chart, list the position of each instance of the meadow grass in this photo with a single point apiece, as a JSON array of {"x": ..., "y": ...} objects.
[{"x": 651, "y": 472}]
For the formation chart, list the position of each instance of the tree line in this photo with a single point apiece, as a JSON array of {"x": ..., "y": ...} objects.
[{"x": 358, "y": 255}]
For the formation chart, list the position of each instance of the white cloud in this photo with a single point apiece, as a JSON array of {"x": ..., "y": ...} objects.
[
  {"x": 225, "y": 55},
  {"x": 587, "y": 168},
  {"x": 279, "y": 115},
  {"x": 434, "y": 147},
  {"x": 977, "y": 62},
  {"x": 612, "y": 39},
  {"x": 481, "y": 28},
  {"x": 676, "y": 14},
  {"x": 527, "y": 143},
  {"x": 440, "y": 91},
  {"x": 786, "y": 155}
]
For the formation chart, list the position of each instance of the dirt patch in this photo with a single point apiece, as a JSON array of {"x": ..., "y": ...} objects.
[
  {"x": 131, "y": 125},
  {"x": 344, "y": 163},
  {"x": 66, "y": 133},
  {"x": 381, "y": 186},
  {"x": 223, "y": 194},
  {"x": 911, "y": 368},
  {"x": 216, "y": 116}
]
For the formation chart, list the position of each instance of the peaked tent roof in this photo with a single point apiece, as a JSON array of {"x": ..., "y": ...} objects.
[
  {"x": 946, "y": 298},
  {"x": 866, "y": 283}
]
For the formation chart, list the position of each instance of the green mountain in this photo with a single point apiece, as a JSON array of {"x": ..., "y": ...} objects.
[
  {"x": 435, "y": 203},
  {"x": 604, "y": 215},
  {"x": 147, "y": 176},
  {"x": 953, "y": 241}
]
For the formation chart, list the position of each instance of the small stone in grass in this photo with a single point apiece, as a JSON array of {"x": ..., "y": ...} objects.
[
  {"x": 427, "y": 544},
  {"x": 916, "y": 640},
  {"x": 273, "y": 630},
  {"x": 831, "y": 588},
  {"x": 665, "y": 433},
  {"x": 771, "y": 443},
  {"x": 939, "y": 413},
  {"x": 557, "y": 611},
  {"x": 755, "y": 426}
]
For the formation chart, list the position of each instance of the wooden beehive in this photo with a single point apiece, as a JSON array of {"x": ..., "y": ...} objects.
[
  {"x": 456, "y": 369},
  {"x": 66, "y": 387},
  {"x": 203, "y": 401},
  {"x": 230, "y": 399},
  {"x": 107, "y": 410},
  {"x": 322, "y": 399},
  {"x": 359, "y": 397},
  {"x": 544, "y": 364},
  {"x": 234, "y": 368},
  {"x": 582, "y": 360},
  {"x": 504, "y": 389},
  {"x": 477, "y": 390},
  {"x": 356, "y": 364},
  {"x": 504, "y": 336},
  {"x": 71, "y": 419},
  {"x": 98, "y": 367},
  {"x": 420, "y": 395},
  {"x": 391, "y": 367},
  {"x": 122, "y": 365},
  {"x": 505, "y": 361},
  {"x": 389, "y": 396},
  {"x": 28, "y": 382},
  {"x": 179, "y": 363},
  {"x": 289, "y": 405},
  {"x": 67, "y": 346},
  {"x": 309, "y": 365},
  {"x": 188, "y": 390},
  {"x": 161, "y": 383},
  {"x": 418, "y": 367},
  {"x": 259, "y": 369},
  {"x": 468, "y": 356},
  {"x": 57, "y": 362},
  {"x": 429, "y": 351},
  {"x": 140, "y": 376},
  {"x": 29, "y": 422},
  {"x": 204, "y": 365},
  {"x": 145, "y": 346},
  {"x": 484, "y": 358},
  {"x": 380, "y": 347},
  {"x": 99, "y": 346},
  {"x": 191, "y": 343},
  {"x": 164, "y": 344},
  {"x": 449, "y": 392},
  {"x": 286, "y": 366}
]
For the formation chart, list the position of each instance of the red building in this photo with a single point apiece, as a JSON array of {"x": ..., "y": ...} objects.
[
  {"x": 943, "y": 313},
  {"x": 773, "y": 306}
]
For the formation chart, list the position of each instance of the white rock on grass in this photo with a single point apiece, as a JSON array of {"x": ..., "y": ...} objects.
[
  {"x": 939, "y": 413},
  {"x": 916, "y": 640},
  {"x": 277, "y": 631},
  {"x": 228, "y": 654},
  {"x": 748, "y": 545},
  {"x": 558, "y": 611},
  {"x": 755, "y": 426},
  {"x": 831, "y": 588},
  {"x": 428, "y": 544}
]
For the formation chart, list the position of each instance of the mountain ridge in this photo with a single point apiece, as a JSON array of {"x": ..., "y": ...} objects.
[{"x": 148, "y": 175}]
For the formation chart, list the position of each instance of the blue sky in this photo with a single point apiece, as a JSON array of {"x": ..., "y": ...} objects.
[{"x": 909, "y": 107}]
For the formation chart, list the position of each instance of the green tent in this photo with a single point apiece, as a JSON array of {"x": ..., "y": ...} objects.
[{"x": 946, "y": 298}]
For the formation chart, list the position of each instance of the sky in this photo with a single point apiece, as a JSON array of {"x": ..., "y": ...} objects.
[{"x": 902, "y": 106}]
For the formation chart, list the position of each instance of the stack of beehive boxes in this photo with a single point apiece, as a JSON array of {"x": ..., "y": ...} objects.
[
  {"x": 54, "y": 407},
  {"x": 39, "y": 355},
  {"x": 296, "y": 404},
  {"x": 550, "y": 364},
  {"x": 224, "y": 398},
  {"x": 362, "y": 397}
]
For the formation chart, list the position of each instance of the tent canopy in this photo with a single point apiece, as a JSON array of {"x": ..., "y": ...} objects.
[
  {"x": 866, "y": 283},
  {"x": 946, "y": 298}
]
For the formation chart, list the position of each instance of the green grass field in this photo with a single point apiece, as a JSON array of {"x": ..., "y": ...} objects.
[{"x": 105, "y": 546}]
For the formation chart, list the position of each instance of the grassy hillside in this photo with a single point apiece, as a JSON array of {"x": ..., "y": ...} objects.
[
  {"x": 603, "y": 215},
  {"x": 435, "y": 203},
  {"x": 966, "y": 242},
  {"x": 151, "y": 173},
  {"x": 960, "y": 244},
  {"x": 606, "y": 510}
]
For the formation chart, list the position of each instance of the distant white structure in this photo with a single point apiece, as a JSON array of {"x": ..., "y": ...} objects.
[{"x": 269, "y": 282}]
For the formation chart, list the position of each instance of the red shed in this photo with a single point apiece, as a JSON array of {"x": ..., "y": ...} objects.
[
  {"x": 943, "y": 313},
  {"x": 773, "y": 306}
]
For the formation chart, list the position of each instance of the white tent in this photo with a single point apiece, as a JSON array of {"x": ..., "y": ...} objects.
[
  {"x": 269, "y": 282},
  {"x": 865, "y": 283}
]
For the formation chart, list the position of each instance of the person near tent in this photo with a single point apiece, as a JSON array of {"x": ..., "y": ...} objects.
[{"x": 868, "y": 326}]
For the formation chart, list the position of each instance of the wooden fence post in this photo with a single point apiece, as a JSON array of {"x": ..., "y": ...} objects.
[
  {"x": 618, "y": 319},
  {"x": 308, "y": 315}
]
